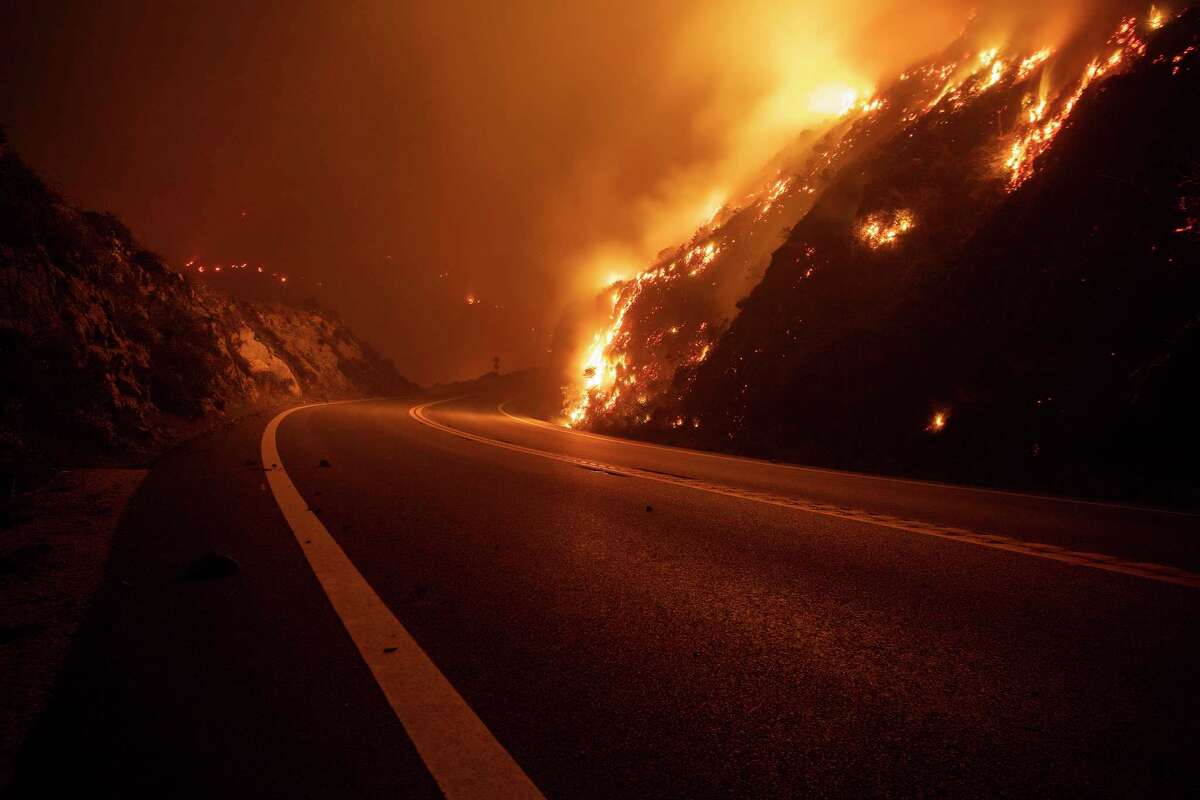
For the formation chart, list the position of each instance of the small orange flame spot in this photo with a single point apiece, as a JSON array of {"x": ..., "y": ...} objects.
[{"x": 878, "y": 230}]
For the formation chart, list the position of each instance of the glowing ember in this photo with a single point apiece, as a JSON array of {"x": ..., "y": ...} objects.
[
  {"x": 776, "y": 191},
  {"x": 1028, "y": 65},
  {"x": 959, "y": 85},
  {"x": 598, "y": 369},
  {"x": 994, "y": 74},
  {"x": 202, "y": 268},
  {"x": 605, "y": 372},
  {"x": 1040, "y": 132},
  {"x": 702, "y": 256},
  {"x": 871, "y": 106},
  {"x": 649, "y": 346},
  {"x": 1036, "y": 112},
  {"x": 995, "y": 68},
  {"x": 879, "y": 229}
]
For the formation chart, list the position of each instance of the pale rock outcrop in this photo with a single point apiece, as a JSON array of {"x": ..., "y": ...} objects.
[
  {"x": 261, "y": 361},
  {"x": 105, "y": 351}
]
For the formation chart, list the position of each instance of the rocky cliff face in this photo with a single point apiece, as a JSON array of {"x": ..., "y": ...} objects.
[{"x": 106, "y": 352}]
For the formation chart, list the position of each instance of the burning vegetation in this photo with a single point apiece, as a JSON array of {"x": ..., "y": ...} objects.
[
  {"x": 1044, "y": 117},
  {"x": 878, "y": 230},
  {"x": 920, "y": 176}
]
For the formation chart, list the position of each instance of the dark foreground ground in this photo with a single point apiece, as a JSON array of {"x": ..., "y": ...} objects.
[{"x": 627, "y": 621}]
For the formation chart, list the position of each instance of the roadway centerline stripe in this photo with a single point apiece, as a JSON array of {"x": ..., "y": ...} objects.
[
  {"x": 1100, "y": 561},
  {"x": 457, "y": 748},
  {"x": 540, "y": 423}
]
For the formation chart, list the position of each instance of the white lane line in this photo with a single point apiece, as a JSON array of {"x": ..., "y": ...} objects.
[
  {"x": 1100, "y": 561},
  {"x": 539, "y": 423},
  {"x": 459, "y": 751}
]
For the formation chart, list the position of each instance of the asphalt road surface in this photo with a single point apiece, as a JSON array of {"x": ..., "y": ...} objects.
[{"x": 469, "y": 602}]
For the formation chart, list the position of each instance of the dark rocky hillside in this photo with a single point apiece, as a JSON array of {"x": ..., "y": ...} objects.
[
  {"x": 107, "y": 354},
  {"x": 1039, "y": 335}
]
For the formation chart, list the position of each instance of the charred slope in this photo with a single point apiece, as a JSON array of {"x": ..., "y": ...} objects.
[
  {"x": 1054, "y": 328},
  {"x": 105, "y": 352}
]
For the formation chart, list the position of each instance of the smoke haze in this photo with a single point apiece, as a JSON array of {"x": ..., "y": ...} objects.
[{"x": 406, "y": 157}]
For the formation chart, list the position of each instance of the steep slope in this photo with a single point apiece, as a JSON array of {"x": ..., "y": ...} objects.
[
  {"x": 663, "y": 323},
  {"x": 105, "y": 352},
  {"x": 1001, "y": 291}
]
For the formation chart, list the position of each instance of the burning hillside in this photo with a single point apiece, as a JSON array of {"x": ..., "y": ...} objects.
[{"x": 885, "y": 270}]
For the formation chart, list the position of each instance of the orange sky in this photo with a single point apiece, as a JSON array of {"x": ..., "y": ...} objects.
[{"x": 407, "y": 155}]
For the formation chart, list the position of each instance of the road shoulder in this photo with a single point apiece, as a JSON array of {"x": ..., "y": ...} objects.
[
  {"x": 187, "y": 682},
  {"x": 51, "y": 564}
]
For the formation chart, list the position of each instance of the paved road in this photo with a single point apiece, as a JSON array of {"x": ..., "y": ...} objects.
[{"x": 622, "y": 621}]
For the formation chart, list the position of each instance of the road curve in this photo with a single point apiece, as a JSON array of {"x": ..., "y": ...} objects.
[
  {"x": 633, "y": 620},
  {"x": 927, "y": 504},
  {"x": 627, "y": 620}
]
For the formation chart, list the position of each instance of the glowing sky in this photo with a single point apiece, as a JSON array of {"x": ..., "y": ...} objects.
[{"x": 408, "y": 156}]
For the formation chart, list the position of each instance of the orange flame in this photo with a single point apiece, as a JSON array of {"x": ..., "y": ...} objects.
[
  {"x": 1038, "y": 135},
  {"x": 878, "y": 230}
]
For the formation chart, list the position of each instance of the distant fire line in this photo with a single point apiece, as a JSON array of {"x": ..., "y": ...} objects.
[{"x": 215, "y": 268}]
